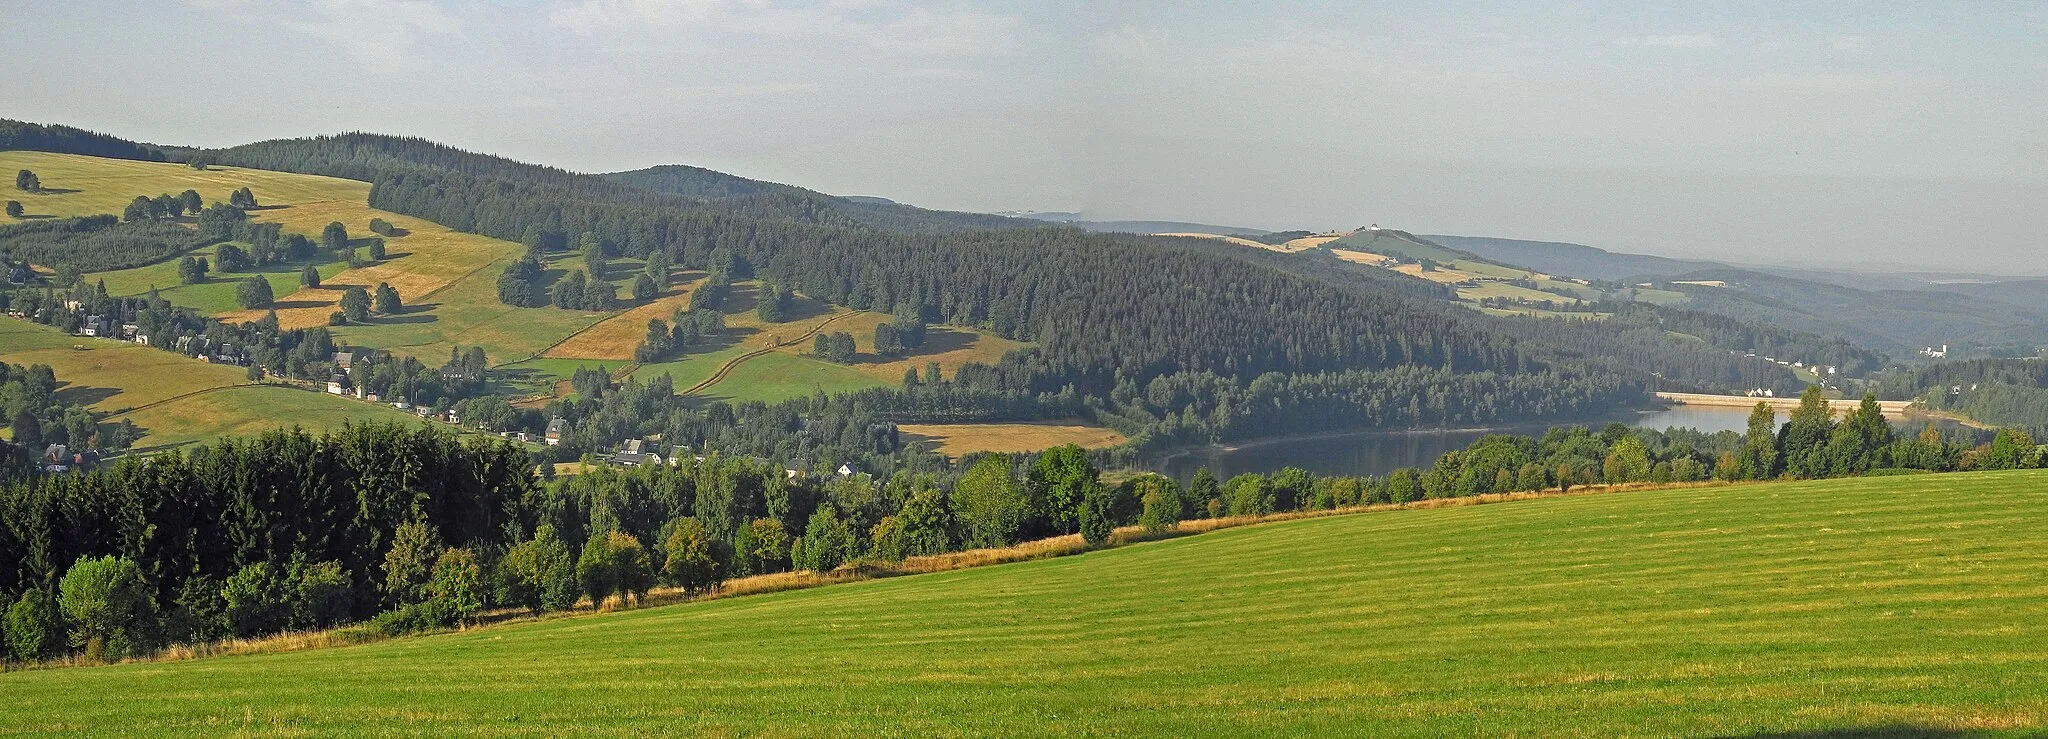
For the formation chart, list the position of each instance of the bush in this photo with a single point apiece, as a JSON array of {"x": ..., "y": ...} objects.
[
  {"x": 455, "y": 593},
  {"x": 614, "y": 563},
  {"x": 256, "y": 601},
  {"x": 323, "y": 597},
  {"x": 538, "y": 574},
  {"x": 408, "y": 565},
  {"x": 690, "y": 563},
  {"x": 103, "y": 602},
  {"x": 198, "y": 615},
  {"x": 827, "y": 542},
  {"x": 1097, "y": 522},
  {"x": 1162, "y": 505},
  {"x": 30, "y": 627}
]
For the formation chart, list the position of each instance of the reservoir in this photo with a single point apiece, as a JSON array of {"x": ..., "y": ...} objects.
[{"x": 1381, "y": 452}]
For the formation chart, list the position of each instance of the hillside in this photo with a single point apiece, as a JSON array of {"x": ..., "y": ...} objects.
[
  {"x": 174, "y": 400},
  {"x": 1898, "y": 321},
  {"x": 705, "y": 184},
  {"x": 1575, "y": 260},
  {"x": 1909, "y": 605},
  {"x": 1138, "y": 227}
]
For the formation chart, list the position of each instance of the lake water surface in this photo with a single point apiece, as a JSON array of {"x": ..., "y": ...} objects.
[{"x": 1381, "y": 452}]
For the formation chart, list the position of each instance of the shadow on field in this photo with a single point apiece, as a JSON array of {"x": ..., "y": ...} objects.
[
  {"x": 84, "y": 394},
  {"x": 1889, "y": 731}
]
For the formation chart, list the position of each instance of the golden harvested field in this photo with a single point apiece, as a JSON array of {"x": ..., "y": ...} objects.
[
  {"x": 615, "y": 338},
  {"x": 955, "y": 439},
  {"x": 80, "y": 185},
  {"x": 115, "y": 376},
  {"x": 1439, "y": 274},
  {"x": 1306, "y": 243},
  {"x": 428, "y": 258},
  {"x": 1360, "y": 257},
  {"x": 425, "y": 260}
]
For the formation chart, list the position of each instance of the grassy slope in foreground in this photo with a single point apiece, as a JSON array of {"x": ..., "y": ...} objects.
[{"x": 1882, "y": 602}]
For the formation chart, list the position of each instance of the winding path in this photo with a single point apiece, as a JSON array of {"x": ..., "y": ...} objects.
[{"x": 727, "y": 368}]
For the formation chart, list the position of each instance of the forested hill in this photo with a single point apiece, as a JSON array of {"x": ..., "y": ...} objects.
[
  {"x": 705, "y": 184},
  {"x": 1102, "y": 312},
  {"x": 1886, "y": 320},
  {"x": 1573, "y": 260},
  {"x": 20, "y": 135}
]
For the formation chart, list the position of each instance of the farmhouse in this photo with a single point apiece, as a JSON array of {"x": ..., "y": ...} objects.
[{"x": 556, "y": 427}]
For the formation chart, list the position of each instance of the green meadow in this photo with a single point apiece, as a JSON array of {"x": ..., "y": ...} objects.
[{"x": 1902, "y": 605}]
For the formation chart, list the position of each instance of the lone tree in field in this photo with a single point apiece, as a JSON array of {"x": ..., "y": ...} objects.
[
  {"x": 255, "y": 293},
  {"x": 355, "y": 304},
  {"x": 377, "y": 249},
  {"x": 334, "y": 238},
  {"x": 387, "y": 300},
  {"x": 192, "y": 202},
  {"x": 26, "y": 181},
  {"x": 192, "y": 270},
  {"x": 242, "y": 199},
  {"x": 309, "y": 277},
  {"x": 14, "y": 209}
]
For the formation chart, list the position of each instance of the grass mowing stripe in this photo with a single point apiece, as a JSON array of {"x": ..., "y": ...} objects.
[{"x": 1849, "y": 604}]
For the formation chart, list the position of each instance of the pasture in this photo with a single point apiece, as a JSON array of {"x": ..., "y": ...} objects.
[
  {"x": 114, "y": 376},
  {"x": 175, "y": 400},
  {"x": 1904, "y": 606},
  {"x": 955, "y": 439},
  {"x": 446, "y": 279}
]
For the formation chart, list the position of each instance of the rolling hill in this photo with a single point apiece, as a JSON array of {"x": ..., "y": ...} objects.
[
  {"x": 1575, "y": 260},
  {"x": 1900, "y": 606}
]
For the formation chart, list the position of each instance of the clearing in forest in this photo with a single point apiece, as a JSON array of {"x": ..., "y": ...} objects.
[{"x": 956, "y": 439}]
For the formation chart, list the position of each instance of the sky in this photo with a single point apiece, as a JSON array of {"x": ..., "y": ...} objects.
[{"x": 1851, "y": 134}]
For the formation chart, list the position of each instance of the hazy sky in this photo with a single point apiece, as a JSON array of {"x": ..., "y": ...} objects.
[{"x": 1837, "y": 132}]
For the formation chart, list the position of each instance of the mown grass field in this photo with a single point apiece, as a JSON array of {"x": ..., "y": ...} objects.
[
  {"x": 175, "y": 400},
  {"x": 252, "y": 409},
  {"x": 114, "y": 376},
  {"x": 955, "y": 439},
  {"x": 447, "y": 279},
  {"x": 1838, "y": 608},
  {"x": 775, "y": 377}
]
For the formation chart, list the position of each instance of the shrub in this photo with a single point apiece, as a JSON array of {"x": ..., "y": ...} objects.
[
  {"x": 1161, "y": 505},
  {"x": 1097, "y": 521},
  {"x": 415, "y": 549},
  {"x": 256, "y": 601},
  {"x": 538, "y": 574},
  {"x": 323, "y": 597},
  {"x": 690, "y": 564},
  {"x": 455, "y": 592},
  {"x": 1248, "y": 495},
  {"x": 30, "y": 626},
  {"x": 827, "y": 542},
  {"x": 103, "y": 602},
  {"x": 989, "y": 504}
]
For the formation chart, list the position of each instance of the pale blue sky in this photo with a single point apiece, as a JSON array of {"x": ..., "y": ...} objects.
[{"x": 1842, "y": 132}]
